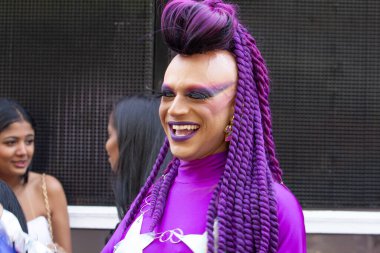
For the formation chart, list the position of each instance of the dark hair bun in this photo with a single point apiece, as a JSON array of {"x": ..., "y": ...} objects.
[{"x": 191, "y": 27}]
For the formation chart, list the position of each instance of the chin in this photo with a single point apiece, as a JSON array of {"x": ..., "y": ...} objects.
[
  {"x": 182, "y": 153},
  {"x": 20, "y": 172}
]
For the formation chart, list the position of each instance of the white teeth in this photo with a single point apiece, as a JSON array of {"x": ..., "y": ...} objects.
[{"x": 185, "y": 127}]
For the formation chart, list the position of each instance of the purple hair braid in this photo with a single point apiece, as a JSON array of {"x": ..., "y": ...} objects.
[
  {"x": 261, "y": 163},
  {"x": 261, "y": 180},
  {"x": 262, "y": 79},
  {"x": 157, "y": 186},
  {"x": 168, "y": 180},
  {"x": 228, "y": 219},
  {"x": 149, "y": 182},
  {"x": 252, "y": 189},
  {"x": 272, "y": 197},
  {"x": 273, "y": 216},
  {"x": 245, "y": 169},
  {"x": 224, "y": 208},
  {"x": 228, "y": 184}
]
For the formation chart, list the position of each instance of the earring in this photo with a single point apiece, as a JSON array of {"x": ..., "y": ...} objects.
[{"x": 228, "y": 131}]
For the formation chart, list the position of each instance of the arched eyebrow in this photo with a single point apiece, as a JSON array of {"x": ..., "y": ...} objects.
[
  {"x": 165, "y": 87},
  {"x": 211, "y": 90}
]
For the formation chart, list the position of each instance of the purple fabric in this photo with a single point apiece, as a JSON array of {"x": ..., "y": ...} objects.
[
  {"x": 292, "y": 235},
  {"x": 187, "y": 204}
]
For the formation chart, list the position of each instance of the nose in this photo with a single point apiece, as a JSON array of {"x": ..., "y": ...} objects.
[
  {"x": 21, "y": 149},
  {"x": 106, "y": 145},
  {"x": 178, "y": 107}
]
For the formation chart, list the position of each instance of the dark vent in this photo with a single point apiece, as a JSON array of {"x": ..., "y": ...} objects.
[
  {"x": 67, "y": 61},
  {"x": 325, "y": 71}
]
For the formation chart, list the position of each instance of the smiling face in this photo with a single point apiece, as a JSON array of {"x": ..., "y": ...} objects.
[
  {"x": 16, "y": 149},
  {"x": 112, "y": 147},
  {"x": 197, "y": 103}
]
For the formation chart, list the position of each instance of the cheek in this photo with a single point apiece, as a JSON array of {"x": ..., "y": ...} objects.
[
  {"x": 222, "y": 105},
  {"x": 114, "y": 147},
  {"x": 162, "y": 113},
  {"x": 6, "y": 153},
  {"x": 31, "y": 150},
  {"x": 111, "y": 145},
  {"x": 107, "y": 146}
]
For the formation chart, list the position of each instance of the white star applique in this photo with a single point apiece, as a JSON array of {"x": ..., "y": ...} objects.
[
  {"x": 197, "y": 243},
  {"x": 134, "y": 242}
]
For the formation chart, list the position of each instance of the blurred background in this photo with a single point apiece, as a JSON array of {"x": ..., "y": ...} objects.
[{"x": 68, "y": 60}]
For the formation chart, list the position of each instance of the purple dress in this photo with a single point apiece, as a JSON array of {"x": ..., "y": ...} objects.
[{"x": 183, "y": 224}]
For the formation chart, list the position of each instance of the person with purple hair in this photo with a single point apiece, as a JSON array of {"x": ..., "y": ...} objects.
[{"x": 223, "y": 190}]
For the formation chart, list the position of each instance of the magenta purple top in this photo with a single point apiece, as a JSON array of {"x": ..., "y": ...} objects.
[{"x": 186, "y": 208}]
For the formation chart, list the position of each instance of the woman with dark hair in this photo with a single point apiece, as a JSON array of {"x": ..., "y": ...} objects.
[
  {"x": 223, "y": 190},
  {"x": 135, "y": 136},
  {"x": 41, "y": 197}
]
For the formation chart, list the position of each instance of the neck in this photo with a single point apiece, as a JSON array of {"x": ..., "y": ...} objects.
[
  {"x": 13, "y": 182},
  {"x": 209, "y": 168}
]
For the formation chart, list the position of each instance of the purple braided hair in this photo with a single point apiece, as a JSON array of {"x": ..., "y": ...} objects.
[
  {"x": 244, "y": 197},
  {"x": 160, "y": 197},
  {"x": 242, "y": 213},
  {"x": 262, "y": 79}
]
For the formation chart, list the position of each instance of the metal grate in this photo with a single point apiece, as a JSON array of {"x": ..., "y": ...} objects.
[
  {"x": 325, "y": 71},
  {"x": 67, "y": 61}
]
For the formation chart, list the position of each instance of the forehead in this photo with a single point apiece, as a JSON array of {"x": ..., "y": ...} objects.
[
  {"x": 18, "y": 128},
  {"x": 211, "y": 68}
]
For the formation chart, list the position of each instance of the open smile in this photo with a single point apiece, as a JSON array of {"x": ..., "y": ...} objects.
[{"x": 182, "y": 131}]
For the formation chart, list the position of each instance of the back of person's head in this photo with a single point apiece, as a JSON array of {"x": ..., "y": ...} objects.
[
  {"x": 140, "y": 136},
  {"x": 10, "y": 112},
  {"x": 9, "y": 202}
]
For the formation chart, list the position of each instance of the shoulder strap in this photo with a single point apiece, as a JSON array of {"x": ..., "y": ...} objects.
[{"x": 46, "y": 199}]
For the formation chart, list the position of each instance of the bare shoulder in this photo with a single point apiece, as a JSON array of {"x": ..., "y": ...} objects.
[
  {"x": 34, "y": 181},
  {"x": 56, "y": 193},
  {"x": 53, "y": 185}
]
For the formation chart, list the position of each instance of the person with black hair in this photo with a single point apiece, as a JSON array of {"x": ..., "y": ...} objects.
[
  {"x": 41, "y": 196},
  {"x": 134, "y": 139},
  {"x": 223, "y": 191}
]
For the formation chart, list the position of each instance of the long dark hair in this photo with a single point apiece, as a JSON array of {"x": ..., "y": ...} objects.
[
  {"x": 140, "y": 136},
  {"x": 11, "y": 112},
  {"x": 9, "y": 201},
  {"x": 243, "y": 204}
]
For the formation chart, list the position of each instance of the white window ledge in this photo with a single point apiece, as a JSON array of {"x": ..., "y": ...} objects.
[{"x": 316, "y": 222}]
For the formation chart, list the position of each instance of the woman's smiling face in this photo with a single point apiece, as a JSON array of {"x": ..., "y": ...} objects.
[
  {"x": 197, "y": 103},
  {"x": 16, "y": 149}
]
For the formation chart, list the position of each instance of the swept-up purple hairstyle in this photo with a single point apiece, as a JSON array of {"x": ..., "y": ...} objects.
[{"x": 242, "y": 214}]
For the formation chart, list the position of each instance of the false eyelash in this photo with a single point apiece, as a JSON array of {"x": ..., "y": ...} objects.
[
  {"x": 199, "y": 95},
  {"x": 167, "y": 93},
  {"x": 155, "y": 93}
]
